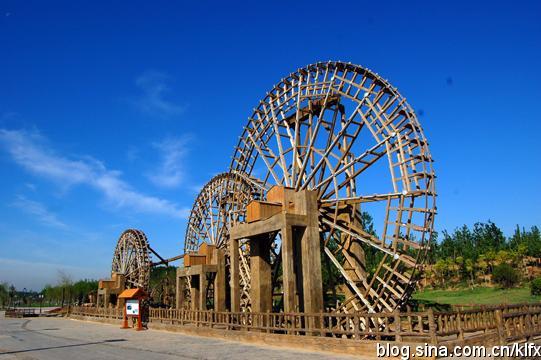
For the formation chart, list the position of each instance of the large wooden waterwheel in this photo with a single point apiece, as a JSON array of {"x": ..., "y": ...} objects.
[{"x": 345, "y": 132}]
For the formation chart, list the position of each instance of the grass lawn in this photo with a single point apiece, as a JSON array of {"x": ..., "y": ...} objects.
[{"x": 480, "y": 295}]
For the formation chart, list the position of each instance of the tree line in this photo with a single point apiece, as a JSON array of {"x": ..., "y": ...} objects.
[
  {"x": 475, "y": 255},
  {"x": 76, "y": 293},
  {"x": 63, "y": 293}
]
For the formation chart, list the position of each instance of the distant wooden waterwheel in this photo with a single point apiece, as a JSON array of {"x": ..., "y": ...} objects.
[{"x": 132, "y": 259}]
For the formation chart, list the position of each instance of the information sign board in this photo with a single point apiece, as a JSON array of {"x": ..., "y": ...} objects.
[{"x": 132, "y": 307}]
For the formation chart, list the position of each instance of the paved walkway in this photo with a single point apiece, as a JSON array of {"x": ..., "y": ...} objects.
[{"x": 57, "y": 338}]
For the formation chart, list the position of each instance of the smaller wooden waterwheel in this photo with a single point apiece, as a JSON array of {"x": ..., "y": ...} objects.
[
  {"x": 215, "y": 206},
  {"x": 132, "y": 259},
  {"x": 222, "y": 201}
]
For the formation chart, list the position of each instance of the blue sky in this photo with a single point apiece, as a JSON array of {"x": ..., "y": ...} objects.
[{"x": 114, "y": 114}]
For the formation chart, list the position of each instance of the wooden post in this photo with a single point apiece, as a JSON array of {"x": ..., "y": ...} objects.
[
  {"x": 106, "y": 298},
  {"x": 203, "y": 290},
  {"x": 528, "y": 323},
  {"x": 500, "y": 327},
  {"x": 181, "y": 283},
  {"x": 219, "y": 281},
  {"x": 311, "y": 256},
  {"x": 288, "y": 269},
  {"x": 432, "y": 327},
  {"x": 397, "y": 325},
  {"x": 459, "y": 325},
  {"x": 234, "y": 284},
  {"x": 195, "y": 289},
  {"x": 139, "y": 316},
  {"x": 261, "y": 273},
  {"x": 357, "y": 325}
]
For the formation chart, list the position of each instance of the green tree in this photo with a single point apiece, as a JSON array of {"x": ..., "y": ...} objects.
[
  {"x": 530, "y": 239},
  {"x": 68, "y": 292},
  {"x": 505, "y": 275},
  {"x": 162, "y": 284},
  {"x": 4, "y": 295},
  {"x": 459, "y": 265},
  {"x": 482, "y": 264},
  {"x": 535, "y": 286},
  {"x": 12, "y": 295},
  {"x": 441, "y": 268},
  {"x": 469, "y": 266},
  {"x": 503, "y": 256},
  {"x": 490, "y": 257},
  {"x": 82, "y": 288},
  {"x": 487, "y": 236}
]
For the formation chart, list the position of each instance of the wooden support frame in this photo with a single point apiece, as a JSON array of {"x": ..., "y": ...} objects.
[
  {"x": 301, "y": 290},
  {"x": 197, "y": 277}
]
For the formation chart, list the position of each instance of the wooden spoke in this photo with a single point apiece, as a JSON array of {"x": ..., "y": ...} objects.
[
  {"x": 350, "y": 281},
  {"x": 361, "y": 199}
]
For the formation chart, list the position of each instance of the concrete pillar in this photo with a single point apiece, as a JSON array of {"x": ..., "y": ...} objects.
[{"x": 234, "y": 283}]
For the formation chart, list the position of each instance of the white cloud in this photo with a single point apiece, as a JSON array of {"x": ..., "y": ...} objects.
[
  {"x": 154, "y": 86},
  {"x": 39, "y": 211},
  {"x": 170, "y": 172},
  {"x": 28, "y": 150}
]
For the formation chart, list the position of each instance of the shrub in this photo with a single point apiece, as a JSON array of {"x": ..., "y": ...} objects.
[
  {"x": 505, "y": 276},
  {"x": 535, "y": 286}
]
